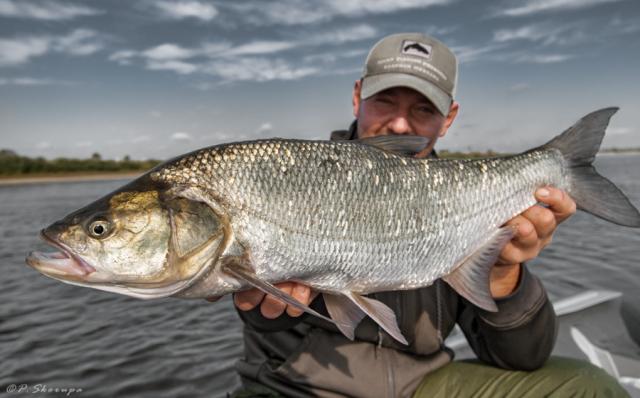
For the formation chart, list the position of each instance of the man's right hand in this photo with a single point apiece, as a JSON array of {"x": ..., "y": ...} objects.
[{"x": 271, "y": 307}]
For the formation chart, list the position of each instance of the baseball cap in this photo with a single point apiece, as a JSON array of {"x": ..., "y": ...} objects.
[{"x": 412, "y": 60}]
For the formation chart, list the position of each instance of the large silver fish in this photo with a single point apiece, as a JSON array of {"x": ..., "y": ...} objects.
[{"x": 346, "y": 218}]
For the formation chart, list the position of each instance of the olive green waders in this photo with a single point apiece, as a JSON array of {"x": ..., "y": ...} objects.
[{"x": 559, "y": 377}]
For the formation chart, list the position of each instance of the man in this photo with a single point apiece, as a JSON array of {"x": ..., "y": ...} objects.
[{"x": 408, "y": 87}]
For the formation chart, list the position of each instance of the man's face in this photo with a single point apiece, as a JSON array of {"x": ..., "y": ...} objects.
[{"x": 400, "y": 110}]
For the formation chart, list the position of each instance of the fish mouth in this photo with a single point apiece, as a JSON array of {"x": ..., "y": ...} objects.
[{"x": 62, "y": 263}]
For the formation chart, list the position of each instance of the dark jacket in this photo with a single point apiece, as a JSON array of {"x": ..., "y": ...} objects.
[{"x": 306, "y": 356}]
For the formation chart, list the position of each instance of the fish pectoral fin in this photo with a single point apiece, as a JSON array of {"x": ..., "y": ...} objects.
[
  {"x": 380, "y": 313},
  {"x": 398, "y": 144},
  {"x": 471, "y": 279},
  {"x": 236, "y": 268},
  {"x": 346, "y": 314}
]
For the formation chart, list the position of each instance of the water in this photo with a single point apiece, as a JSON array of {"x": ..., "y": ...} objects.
[{"x": 63, "y": 336}]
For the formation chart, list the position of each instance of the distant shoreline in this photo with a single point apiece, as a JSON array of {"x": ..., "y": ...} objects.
[{"x": 65, "y": 177}]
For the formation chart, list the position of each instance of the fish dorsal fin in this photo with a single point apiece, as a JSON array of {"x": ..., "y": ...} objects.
[
  {"x": 380, "y": 313},
  {"x": 471, "y": 278},
  {"x": 399, "y": 144},
  {"x": 345, "y": 312},
  {"x": 236, "y": 268}
]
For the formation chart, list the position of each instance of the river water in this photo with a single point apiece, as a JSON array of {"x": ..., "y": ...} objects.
[{"x": 54, "y": 335}]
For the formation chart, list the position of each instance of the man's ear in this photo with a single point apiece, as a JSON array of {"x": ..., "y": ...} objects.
[
  {"x": 451, "y": 116},
  {"x": 355, "y": 98}
]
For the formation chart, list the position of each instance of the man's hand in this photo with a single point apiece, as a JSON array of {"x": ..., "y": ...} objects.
[
  {"x": 271, "y": 307},
  {"x": 535, "y": 228}
]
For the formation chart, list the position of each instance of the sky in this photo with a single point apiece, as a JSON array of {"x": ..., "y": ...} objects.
[{"x": 157, "y": 78}]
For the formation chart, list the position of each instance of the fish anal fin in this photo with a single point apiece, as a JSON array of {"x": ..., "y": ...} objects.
[
  {"x": 344, "y": 312},
  {"x": 471, "y": 279},
  {"x": 380, "y": 313},
  {"x": 237, "y": 267}
]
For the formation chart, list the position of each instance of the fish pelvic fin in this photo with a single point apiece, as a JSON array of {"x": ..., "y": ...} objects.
[
  {"x": 380, "y": 313},
  {"x": 238, "y": 268},
  {"x": 471, "y": 279},
  {"x": 344, "y": 312},
  {"x": 592, "y": 192}
]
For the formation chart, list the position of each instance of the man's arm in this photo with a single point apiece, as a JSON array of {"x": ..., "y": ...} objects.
[
  {"x": 535, "y": 228},
  {"x": 522, "y": 333}
]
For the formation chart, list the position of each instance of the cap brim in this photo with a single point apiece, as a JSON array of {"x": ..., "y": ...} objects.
[{"x": 374, "y": 84}]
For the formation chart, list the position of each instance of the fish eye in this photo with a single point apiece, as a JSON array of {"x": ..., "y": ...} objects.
[{"x": 99, "y": 228}]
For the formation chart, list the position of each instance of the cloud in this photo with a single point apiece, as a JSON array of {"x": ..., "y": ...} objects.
[
  {"x": 257, "y": 69},
  {"x": 18, "y": 51},
  {"x": 181, "y": 136},
  {"x": 79, "y": 42},
  {"x": 339, "y": 36},
  {"x": 468, "y": 54},
  {"x": 186, "y": 9},
  {"x": 180, "y": 67},
  {"x": 535, "y": 6},
  {"x": 45, "y": 10},
  {"x": 261, "y": 47},
  {"x": 619, "y": 130},
  {"x": 546, "y": 34},
  {"x": 30, "y": 81},
  {"x": 123, "y": 57},
  {"x": 168, "y": 51},
  {"x": 302, "y": 12},
  {"x": 542, "y": 58},
  {"x": 264, "y": 128}
]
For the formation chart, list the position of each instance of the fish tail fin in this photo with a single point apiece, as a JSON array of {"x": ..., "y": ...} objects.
[{"x": 592, "y": 192}]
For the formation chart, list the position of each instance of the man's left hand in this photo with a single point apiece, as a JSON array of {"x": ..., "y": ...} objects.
[{"x": 535, "y": 228}]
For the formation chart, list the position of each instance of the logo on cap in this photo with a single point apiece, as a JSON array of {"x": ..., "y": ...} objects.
[{"x": 411, "y": 47}]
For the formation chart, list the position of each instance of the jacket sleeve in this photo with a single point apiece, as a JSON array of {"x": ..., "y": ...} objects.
[{"x": 520, "y": 335}]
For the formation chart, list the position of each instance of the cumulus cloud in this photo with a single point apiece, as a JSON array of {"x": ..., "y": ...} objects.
[
  {"x": 123, "y": 57},
  {"x": 180, "y": 67},
  {"x": 45, "y": 10},
  {"x": 186, "y": 9},
  {"x": 536, "y": 6},
  {"x": 181, "y": 136},
  {"x": 261, "y": 47},
  {"x": 20, "y": 50},
  {"x": 168, "y": 51}
]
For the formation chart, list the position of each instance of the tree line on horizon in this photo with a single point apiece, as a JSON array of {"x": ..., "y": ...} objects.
[{"x": 13, "y": 164}]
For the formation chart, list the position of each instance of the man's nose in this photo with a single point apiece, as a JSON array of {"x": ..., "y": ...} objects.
[{"x": 399, "y": 125}]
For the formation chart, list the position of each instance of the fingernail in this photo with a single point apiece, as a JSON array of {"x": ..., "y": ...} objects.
[{"x": 544, "y": 192}]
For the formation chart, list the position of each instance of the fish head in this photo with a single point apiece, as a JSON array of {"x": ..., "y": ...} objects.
[{"x": 133, "y": 242}]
